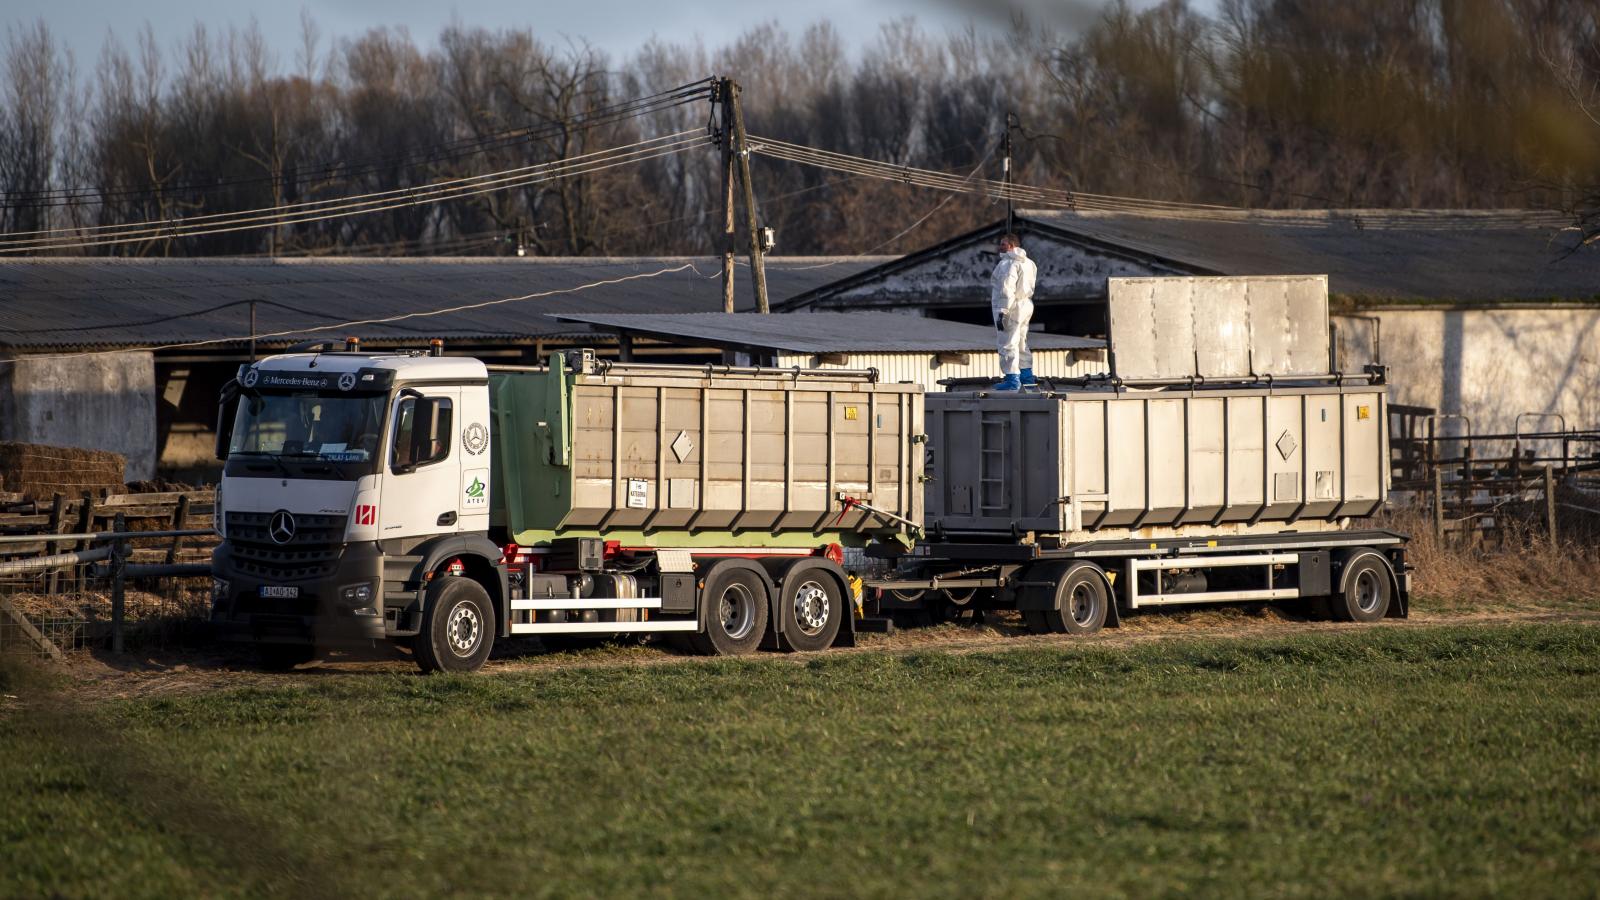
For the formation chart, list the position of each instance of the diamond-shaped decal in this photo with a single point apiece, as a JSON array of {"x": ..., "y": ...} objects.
[
  {"x": 1285, "y": 444},
  {"x": 682, "y": 446}
]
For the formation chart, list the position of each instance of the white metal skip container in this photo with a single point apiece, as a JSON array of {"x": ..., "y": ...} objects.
[{"x": 1099, "y": 462}]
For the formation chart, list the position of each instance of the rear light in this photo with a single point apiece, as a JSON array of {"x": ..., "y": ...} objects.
[
  {"x": 835, "y": 553},
  {"x": 611, "y": 549}
]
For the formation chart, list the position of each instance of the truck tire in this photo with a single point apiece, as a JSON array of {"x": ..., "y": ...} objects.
[
  {"x": 813, "y": 608},
  {"x": 1367, "y": 590},
  {"x": 283, "y": 657},
  {"x": 457, "y": 627},
  {"x": 733, "y": 608},
  {"x": 1081, "y": 602}
]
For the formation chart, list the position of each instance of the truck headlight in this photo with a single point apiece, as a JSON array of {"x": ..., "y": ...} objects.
[{"x": 359, "y": 596}]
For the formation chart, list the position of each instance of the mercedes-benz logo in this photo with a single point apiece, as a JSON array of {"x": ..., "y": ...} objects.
[
  {"x": 250, "y": 378},
  {"x": 281, "y": 528},
  {"x": 347, "y": 381}
]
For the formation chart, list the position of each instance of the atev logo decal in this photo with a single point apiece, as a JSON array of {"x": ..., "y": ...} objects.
[
  {"x": 475, "y": 488},
  {"x": 475, "y": 438}
]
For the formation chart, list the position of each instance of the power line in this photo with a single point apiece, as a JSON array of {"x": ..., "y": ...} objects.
[
  {"x": 380, "y": 201},
  {"x": 634, "y": 108},
  {"x": 161, "y": 225}
]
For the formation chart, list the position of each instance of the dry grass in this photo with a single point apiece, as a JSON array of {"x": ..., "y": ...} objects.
[{"x": 1519, "y": 568}]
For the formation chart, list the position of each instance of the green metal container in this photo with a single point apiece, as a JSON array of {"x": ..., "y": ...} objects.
[{"x": 702, "y": 456}]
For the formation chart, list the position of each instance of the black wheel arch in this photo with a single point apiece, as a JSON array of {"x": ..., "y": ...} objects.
[
  {"x": 780, "y": 569},
  {"x": 1399, "y": 600},
  {"x": 484, "y": 564},
  {"x": 718, "y": 565},
  {"x": 1034, "y": 595}
]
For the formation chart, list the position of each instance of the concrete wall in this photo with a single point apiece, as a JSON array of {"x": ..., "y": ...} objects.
[
  {"x": 106, "y": 401},
  {"x": 1488, "y": 364}
]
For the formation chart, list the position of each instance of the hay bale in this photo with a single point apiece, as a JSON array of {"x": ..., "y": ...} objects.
[{"x": 39, "y": 471}]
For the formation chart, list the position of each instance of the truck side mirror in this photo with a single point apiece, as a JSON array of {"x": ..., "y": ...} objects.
[
  {"x": 422, "y": 425},
  {"x": 227, "y": 411}
]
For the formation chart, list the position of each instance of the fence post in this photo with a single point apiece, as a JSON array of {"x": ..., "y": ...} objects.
[
  {"x": 1438, "y": 504},
  {"x": 1550, "y": 501},
  {"x": 180, "y": 518},
  {"x": 119, "y": 565},
  {"x": 58, "y": 509}
]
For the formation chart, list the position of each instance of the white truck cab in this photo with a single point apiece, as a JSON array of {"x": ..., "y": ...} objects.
[{"x": 347, "y": 476}]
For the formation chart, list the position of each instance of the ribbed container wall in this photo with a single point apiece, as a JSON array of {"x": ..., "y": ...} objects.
[
  {"x": 726, "y": 460},
  {"x": 1103, "y": 461}
]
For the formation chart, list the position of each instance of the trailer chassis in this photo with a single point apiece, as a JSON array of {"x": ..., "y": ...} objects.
[{"x": 1138, "y": 574}]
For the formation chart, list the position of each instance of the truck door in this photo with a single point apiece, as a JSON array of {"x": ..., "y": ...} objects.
[{"x": 423, "y": 474}]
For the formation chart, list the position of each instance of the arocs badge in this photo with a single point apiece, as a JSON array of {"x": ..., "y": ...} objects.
[{"x": 475, "y": 438}]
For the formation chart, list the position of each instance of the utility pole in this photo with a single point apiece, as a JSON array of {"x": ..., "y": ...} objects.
[
  {"x": 758, "y": 267},
  {"x": 1011, "y": 227},
  {"x": 729, "y": 239}
]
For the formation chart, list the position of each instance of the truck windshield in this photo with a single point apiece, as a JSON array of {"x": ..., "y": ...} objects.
[{"x": 334, "y": 428}]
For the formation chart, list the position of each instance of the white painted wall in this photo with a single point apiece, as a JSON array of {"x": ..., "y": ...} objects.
[
  {"x": 1489, "y": 364},
  {"x": 105, "y": 401},
  {"x": 924, "y": 368}
]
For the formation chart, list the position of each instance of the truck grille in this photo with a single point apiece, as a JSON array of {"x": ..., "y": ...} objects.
[{"x": 313, "y": 552}]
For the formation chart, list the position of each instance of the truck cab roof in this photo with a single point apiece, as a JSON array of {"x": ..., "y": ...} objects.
[{"x": 389, "y": 368}]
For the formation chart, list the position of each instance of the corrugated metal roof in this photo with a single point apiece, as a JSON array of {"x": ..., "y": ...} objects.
[
  {"x": 76, "y": 302},
  {"x": 821, "y": 332},
  {"x": 1472, "y": 255}
]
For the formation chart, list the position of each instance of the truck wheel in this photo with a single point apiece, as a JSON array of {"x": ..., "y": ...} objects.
[
  {"x": 815, "y": 608},
  {"x": 1366, "y": 591},
  {"x": 283, "y": 657},
  {"x": 1081, "y": 602},
  {"x": 457, "y": 627},
  {"x": 733, "y": 607}
]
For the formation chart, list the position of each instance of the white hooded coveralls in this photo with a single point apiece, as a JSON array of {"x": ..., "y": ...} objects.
[{"x": 1011, "y": 301}]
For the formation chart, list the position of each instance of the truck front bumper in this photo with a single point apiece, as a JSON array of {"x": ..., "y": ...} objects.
[{"x": 317, "y": 614}]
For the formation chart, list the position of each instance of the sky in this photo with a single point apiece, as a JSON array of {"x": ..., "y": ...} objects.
[{"x": 617, "y": 26}]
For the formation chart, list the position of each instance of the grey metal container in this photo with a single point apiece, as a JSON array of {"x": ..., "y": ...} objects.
[
  {"x": 1097, "y": 462},
  {"x": 702, "y": 456}
]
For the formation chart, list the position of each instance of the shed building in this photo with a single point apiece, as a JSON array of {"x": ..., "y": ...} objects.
[
  {"x": 1483, "y": 314},
  {"x": 128, "y": 354}
]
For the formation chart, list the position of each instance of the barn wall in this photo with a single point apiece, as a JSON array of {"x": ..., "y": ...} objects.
[
  {"x": 104, "y": 401},
  {"x": 1488, "y": 364}
]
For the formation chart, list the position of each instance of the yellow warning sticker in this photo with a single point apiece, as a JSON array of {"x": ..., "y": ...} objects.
[
  {"x": 1363, "y": 412},
  {"x": 849, "y": 412}
]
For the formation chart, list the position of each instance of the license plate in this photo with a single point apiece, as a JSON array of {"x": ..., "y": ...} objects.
[{"x": 279, "y": 592}]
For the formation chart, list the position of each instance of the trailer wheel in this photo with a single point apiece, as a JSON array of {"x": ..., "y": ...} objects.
[
  {"x": 1081, "y": 602},
  {"x": 815, "y": 608},
  {"x": 733, "y": 607},
  {"x": 457, "y": 627},
  {"x": 1367, "y": 591}
]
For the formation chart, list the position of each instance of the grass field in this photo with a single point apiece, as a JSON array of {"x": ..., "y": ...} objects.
[{"x": 1453, "y": 760}]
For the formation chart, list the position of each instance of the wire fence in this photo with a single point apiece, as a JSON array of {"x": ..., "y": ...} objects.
[{"x": 138, "y": 581}]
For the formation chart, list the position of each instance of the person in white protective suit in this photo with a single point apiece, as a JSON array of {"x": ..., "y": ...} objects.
[{"x": 1011, "y": 301}]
